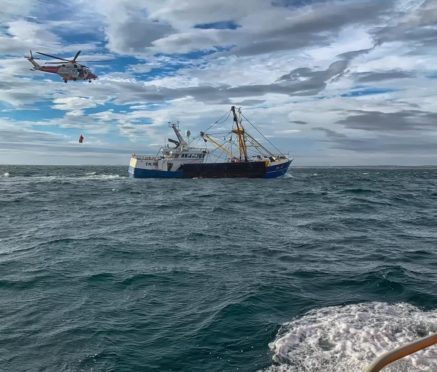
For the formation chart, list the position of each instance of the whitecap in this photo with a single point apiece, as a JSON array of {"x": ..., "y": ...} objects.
[
  {"x": 6, "y": 174},
  {"x": 349, "y": 338},
  {"x": 69, "y": 178},
  {"x": 105, "y": 176},
  {"x": 95, "y": 176}
]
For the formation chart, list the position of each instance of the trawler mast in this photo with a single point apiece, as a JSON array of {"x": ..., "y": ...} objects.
[
  {"x": 245, "y": 141},
  {"x": 239, "y": 131},
  {"x": 181, "y": 139}
]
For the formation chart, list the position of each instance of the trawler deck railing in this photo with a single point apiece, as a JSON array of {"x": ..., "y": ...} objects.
[
  {"x": 144, "y": 157},
  {"x": 402, "y": 352}
]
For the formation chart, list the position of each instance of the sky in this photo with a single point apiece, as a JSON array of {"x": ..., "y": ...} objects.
[{"x": 349, "y": 82}]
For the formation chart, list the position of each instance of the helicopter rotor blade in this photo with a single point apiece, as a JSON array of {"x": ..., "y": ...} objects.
[
  {"x": 31, "y": 57},
  {"x": 68, "y": 61},
  {"x": 77, "y": 55},
  {"x": 48, "y": 55}
]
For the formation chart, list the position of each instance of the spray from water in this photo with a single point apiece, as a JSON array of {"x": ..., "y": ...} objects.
[{"x": 349, "y": 338}]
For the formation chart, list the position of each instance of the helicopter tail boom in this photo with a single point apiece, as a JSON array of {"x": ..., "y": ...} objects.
[{"x": 30, "y": 58}]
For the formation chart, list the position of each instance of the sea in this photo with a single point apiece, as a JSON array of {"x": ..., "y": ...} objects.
[{"x": 323, "y": 269}]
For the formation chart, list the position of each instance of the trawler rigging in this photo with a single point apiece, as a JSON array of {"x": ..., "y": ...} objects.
[{"x": 245, "y": 142}]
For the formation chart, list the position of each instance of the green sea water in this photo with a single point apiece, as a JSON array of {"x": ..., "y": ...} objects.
[{"x": 321, "y": 270}]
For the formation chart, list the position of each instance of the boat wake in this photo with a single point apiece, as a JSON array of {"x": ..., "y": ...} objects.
[
  {"x": 87, "y": 176},
  {"x": 349, "y": 338}
]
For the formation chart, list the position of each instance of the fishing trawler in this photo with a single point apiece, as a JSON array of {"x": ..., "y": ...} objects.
[{"x": 244, "y": 155}]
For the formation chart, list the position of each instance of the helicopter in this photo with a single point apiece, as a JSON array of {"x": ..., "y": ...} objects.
[{"x": 68, "y": 69}]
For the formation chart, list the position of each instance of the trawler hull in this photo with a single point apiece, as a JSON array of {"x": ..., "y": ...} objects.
[
  {"x": 253, "y": 169},
  {"x": 153, "y": 173}
]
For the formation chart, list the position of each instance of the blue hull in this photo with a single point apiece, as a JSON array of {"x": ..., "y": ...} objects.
[
  {"x": 216, "y": 170},
  {"x": 277, "y": 170},
  {"x": 148, "y": 173}
]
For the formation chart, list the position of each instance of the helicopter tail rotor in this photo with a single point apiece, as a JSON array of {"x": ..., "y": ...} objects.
[{"x": 31, "y": 59}]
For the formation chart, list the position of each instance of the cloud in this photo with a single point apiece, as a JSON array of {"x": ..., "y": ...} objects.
[
  {"x": 16, "y": 133},
  {"x": 187, "y": 14},
  {"x": 331, "y": 134},
  {"x": 32, "y": 33},
  {"x": 194, "y": 40},
  {"x": 324, "y": 77},
  {"x": 312, "y": 83},
  {"x": 145, "y": 28},
  {"x": 16, "y": 93},
  {"x": 374, "y": 77},
  {"x": 421, "y": 147},
  {"x": 417, "y": 23},
  {"x": 133, "y": 35},
  {"x": 312, "y": 25},
  {"x": 249, "y": 102},
  {"x": 128, "y": 27},
  {"x": 75, "y": 103},
  {"x": 393, "y": 146},
  {"x": 12, "y": 9},
  {"x": 406, "y": 120}
]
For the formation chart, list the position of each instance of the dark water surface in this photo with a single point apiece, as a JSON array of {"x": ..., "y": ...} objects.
[{"x": 100, "y": 272}]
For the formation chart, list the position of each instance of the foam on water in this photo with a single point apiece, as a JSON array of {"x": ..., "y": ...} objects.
[
  {"x": 97, "y": 176},
  {"x": 87, "y": 176},
  {"x": 102, "y": 176},
  {"x": 349, "y": 338}
]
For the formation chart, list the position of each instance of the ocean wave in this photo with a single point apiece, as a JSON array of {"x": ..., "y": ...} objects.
[
  {"x": 102, "y": 176},
  {"x": 349, "y": 338},
  {"x": 358, "y": 190},
  {"x": 57, "y": 178}
]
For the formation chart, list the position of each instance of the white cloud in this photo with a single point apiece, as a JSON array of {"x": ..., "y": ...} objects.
[
  {"x": 32, "y": 33},
  {"x": 76, "y": 103},
  {"x": 12, "y": 9},
  {"x": 289, "y": 67}
]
